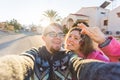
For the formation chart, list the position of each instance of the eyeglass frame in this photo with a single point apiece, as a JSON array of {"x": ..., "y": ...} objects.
[{"x": 54, "y": 34}]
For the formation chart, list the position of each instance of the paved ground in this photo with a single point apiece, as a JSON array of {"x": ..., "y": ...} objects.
[{"x": 16, "y": 44}]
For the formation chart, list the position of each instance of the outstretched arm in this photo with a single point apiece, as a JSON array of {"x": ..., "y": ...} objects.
[
  {"x": 17, "y": 67},
  {"x": 95, "y": 70}
]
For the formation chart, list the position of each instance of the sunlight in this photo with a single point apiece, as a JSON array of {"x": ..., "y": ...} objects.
[{"x": 44, "y": 22}]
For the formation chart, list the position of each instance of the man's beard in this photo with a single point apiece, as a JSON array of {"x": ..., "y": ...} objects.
[{"x": 54, "y": 50}]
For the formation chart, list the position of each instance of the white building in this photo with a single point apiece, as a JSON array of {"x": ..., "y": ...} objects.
[
  {"x": 97, "y": 16},
  {"x": 94, "y": 16},
  {"x": 114, "y": 20}
]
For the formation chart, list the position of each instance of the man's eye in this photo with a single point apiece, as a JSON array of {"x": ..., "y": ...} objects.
[{"x": 52, "y": 34}]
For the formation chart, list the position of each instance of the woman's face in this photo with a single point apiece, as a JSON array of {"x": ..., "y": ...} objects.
[{"x": 73, "y": 41}]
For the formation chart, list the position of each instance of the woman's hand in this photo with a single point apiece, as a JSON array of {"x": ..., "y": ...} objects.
[{"x": 93, "y": 32}]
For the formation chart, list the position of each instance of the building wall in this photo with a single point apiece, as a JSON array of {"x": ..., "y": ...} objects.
[
  {"x": 114, "y": 20},
  {"x": 89, "y": 11},
  {"x": 2, "y": 25},
  {"x": 101, "y": 16},
  {"x": 97, "y": 17},
  {"x": 94, "y": 15}
]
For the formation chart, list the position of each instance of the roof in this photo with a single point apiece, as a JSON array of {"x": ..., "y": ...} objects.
[{"x": 79, "y": 15}]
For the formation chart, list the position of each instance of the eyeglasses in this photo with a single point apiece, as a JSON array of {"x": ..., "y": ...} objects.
[{"x": 54, "y": 34}]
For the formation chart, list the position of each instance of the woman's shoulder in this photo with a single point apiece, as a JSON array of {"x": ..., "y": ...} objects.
[
  {"x": 93, "y": 54},
  {"x": 98, "y": 55}
]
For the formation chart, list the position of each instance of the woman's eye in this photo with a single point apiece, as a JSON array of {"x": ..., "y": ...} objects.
[
  {"x": 76, "y": 39},
  {"x": 69, "y": 36}
]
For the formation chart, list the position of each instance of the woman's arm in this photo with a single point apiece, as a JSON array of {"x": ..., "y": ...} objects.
[{"x": 110, "y": 46}]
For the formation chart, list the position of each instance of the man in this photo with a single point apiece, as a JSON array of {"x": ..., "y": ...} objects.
[
  {"x": 109, "y": 45},
  {"x": 49, "y": 63}
]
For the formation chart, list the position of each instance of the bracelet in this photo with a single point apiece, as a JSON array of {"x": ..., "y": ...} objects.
[{"x": 107, "y": 41}]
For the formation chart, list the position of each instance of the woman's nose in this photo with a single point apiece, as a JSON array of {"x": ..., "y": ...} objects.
[{"x": 70, "y": 39}]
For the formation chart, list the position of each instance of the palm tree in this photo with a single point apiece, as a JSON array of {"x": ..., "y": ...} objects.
[{"x": 52, "y": 15}]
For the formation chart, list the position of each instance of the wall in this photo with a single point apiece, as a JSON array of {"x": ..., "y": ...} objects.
[{"x": 114, "y": 20}]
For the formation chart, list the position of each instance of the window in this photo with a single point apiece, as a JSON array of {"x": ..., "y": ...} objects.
[
  {"x": 108, "y": 32},
  {"x": 105, "y": 22},
  {"x": 118, "y": 14},
  {"x": 117, "y": 32},
  {"x": 102, "y": 12}
]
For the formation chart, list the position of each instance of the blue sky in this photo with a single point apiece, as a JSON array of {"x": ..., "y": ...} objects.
[{"x": 30, "y": 11}]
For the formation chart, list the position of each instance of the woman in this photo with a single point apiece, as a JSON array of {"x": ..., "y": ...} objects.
[{"x": 82, "y": 45}]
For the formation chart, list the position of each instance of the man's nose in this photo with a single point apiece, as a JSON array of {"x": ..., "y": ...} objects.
[{"x": 59, "y": 37}]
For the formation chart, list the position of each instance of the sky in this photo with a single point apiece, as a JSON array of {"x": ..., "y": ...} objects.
[{"x": 31, "y": 11}]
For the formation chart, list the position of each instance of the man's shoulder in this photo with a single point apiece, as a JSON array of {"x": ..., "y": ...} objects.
[{"x": 33, "y": 52}]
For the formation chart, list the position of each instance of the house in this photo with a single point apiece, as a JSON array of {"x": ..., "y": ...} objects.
[
  {"x": 94, "y": 16},
  {"x": 107, "y": 20},
  {"x": 2, "y": 25},
  {"x": 5, "y": 26},
  {"x": 114, "y": 21}
]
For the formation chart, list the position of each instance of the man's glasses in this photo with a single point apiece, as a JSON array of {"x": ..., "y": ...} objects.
[{"x": 54, "y": 34}]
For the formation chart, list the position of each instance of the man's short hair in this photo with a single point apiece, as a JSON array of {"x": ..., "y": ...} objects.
[{"x": 52, "y": 25}]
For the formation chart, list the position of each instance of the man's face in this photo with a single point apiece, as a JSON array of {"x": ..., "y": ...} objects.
[{"x": 53, "y": 39}]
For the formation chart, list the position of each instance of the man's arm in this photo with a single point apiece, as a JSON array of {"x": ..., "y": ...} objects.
[
  {"x": 95, "y": 70},
  {"x": 17, "y": 67}
]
